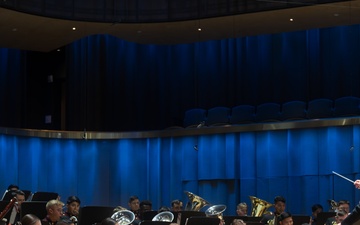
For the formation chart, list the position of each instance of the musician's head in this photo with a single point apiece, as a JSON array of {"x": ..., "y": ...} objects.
[
  {"x": 13, "y": 187},
  {"x": 241, "y": 209},
  {"x": 134, "y": 203},
  {"x": 176, "y": 205},
  {"x": 340, "y": 216},
  {"x": 73, "y": 205},
  {"x": 20, "y": 197},
  {"x": 285, "y": 218},
  {"x": 145, "y": 205},
  {"x": 343, "y": 205},
  {"x": 30, "y": 219},
  {"x": 279, "y": 204},
  {"x": 316, "y": 209},
  {"x": 54, "y": 210}
]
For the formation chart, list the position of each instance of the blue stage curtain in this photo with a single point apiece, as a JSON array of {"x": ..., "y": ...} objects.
[{"x": 223, "y": 168}]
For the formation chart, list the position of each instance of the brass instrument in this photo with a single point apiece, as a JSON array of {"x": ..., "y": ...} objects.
[
  {"x": 74, "y": 219},
  {"x": 334, "y": 205},
  {"x": 166, "y": 216},
  {"x": 216, "y": 211},
  {"x": 259, "y": 207},
  {"x": 195, "y": 202},
  {"x": 123, "y": 217}
]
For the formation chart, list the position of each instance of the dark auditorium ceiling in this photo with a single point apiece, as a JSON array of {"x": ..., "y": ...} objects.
[{"x": 36, "y": 33}]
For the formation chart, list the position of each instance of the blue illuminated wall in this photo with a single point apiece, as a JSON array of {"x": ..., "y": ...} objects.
[{"x": 225, "y": 169}]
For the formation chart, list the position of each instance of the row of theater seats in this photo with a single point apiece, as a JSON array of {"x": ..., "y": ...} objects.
[{"x": 273, "y": 112}]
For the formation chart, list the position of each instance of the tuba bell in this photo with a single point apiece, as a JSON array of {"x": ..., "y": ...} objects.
[
  {"x": 259, "y": 207},
  {"x": 123, "y": 217},
  {"x": 195, "y": 202},
  {"x": 216, "y": 211},
  {"x": 166, "y": 216}
]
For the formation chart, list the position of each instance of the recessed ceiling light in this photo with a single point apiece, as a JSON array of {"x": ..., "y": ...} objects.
[
  {"x": 199, "y": 29},
  {"x": 74, "y": 28},
  {"x": 291, "y": 19}
]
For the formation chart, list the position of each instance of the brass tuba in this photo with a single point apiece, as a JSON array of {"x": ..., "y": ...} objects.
[
  {"x": 123, "y": 217},
  {"x": 195, "y": 202},
  {"x": 259, "y": 207}
]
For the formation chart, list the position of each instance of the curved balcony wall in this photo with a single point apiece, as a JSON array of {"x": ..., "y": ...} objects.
[{"x": 146, "y": 11}]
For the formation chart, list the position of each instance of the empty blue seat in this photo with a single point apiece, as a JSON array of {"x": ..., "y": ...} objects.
[
  {"x": 268, "y": 112},
  {"x": 242, "y": 114},
  {"x": 217, "y": 116},
  {"x": 320, "y": 108},
  {"x": 293, "y": 110},
  {"x": 347, "y": 106},
  {"x": 193, "y": 117}
]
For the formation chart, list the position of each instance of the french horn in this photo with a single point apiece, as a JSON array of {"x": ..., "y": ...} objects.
[
  {"x": 216, "y": 211},
  {"x": 166, "y": 216},
  {"x": 259, "y": 206},
  {"x": 195, "y": 202},
  {"x": 123, "y": 217}
]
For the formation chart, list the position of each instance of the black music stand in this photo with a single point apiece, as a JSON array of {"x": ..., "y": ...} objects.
[
  {"x": 44, "y": 196},
  {"x": 146, "y": 222},
  {"x": 89, "y": 215},
  {"x": 203, "y": 220},
  {"x": 8, "y": 195},
  {"x": 300, "y": 219},
  {"x": 37, "y": 208},
  {"x": 323, "y": 216},
  {"x": 187, "y": 214},
  {"x": 228, "y": 219},
  {"x": 149, "y": 215}
]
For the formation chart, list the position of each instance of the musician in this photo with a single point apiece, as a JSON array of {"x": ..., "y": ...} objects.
[
  {"x": 14, "y": 215},
  {"x": 342, "y": 205},
  {"x": 30, "y": 219},
  {"x": 241, "y": 209},
  {"x": 145, "y": 206},
  {"x": 54, "y": 212},
  {"x": 285, "y": 218},
  {"x": 315, "y": 210},
  {"x": 134, "y": 206},
  {"x": 72, "y": 208},
  {"x": 279, "y": 205}
]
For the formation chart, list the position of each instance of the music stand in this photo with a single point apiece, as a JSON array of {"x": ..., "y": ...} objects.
[
  {"x": 300, "y": 219},
  {"x": 44, "y": 196},
  {"x": 201, "y": 220},
  {"x": 147, "y": 222},
  {"x": 188, "y": 214},
  {"x": 323, "y": 216},
  {"x": 94, "y": 214},
  {"x": 149, "y": 215},
  {"x": 37, "y": 208},
  {"x": 228, "y": 219},
  {"x": 8, "y": 195}
]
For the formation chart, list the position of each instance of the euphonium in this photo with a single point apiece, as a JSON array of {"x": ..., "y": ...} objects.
[
  {"x": 166, "y": 216},
  {"x": 123, "y": 217},
  {"x": 259, "y": 206},
  {"x": 216, "y": 211},
  {"x": 195, "y": 202}
]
